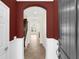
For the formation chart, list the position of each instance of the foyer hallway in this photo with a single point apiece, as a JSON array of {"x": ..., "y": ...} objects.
[{"x": 35, "y": 50}]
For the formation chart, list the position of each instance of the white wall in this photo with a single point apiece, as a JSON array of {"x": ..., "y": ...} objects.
[
  {"x": 51, "y": 48},
  {"x": 36, "y": 15},
  {"x": 4, "y": 31},
  {"x": 17, "y": 49}
]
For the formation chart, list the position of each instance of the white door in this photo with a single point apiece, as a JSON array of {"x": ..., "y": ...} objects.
[{"x": 4, "y": 31}]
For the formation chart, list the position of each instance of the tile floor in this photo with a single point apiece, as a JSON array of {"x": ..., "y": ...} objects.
[{"x": 35, "y": 53}]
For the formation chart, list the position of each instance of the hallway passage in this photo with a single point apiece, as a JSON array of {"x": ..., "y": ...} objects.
[
  {"x": 32, "y": 53},
  {"x": 35, "y": 50}
]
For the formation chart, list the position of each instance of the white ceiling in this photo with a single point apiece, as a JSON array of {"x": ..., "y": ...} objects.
[{"x": 34, "y": 0}]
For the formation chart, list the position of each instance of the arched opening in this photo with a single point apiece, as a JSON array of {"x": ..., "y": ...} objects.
[{"x": 35, "y": 28}]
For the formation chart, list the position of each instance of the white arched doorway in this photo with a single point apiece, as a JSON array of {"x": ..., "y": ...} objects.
[{"x": 36, "y": 17}]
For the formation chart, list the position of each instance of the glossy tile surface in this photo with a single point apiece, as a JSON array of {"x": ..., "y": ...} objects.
[
  {"x": 35, "y": 50},
  {"x": 35, "y": 53}
]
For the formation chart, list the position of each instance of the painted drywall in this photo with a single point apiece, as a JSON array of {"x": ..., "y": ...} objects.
[
  {"x": 4, "y": 31},
  {"x": 37, "y": 19},
  {"x": 16, "y": 26},
  {"x": 16, "y": 48},
  {"x": 52, "y": 17},
  {"x": 16, "y": 17},
  {"x": 51, "y": 48}
]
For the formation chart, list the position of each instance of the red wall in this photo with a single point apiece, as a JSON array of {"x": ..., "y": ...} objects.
[
  {"x": 52, "y": 17},
  {"x": 55, "y": 20},
  {"x": 16, "y": 17}
]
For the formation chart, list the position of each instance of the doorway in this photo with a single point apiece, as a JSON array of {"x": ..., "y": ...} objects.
[
  {"x": 36, "y": 32},
  {"x": 4, "y": 31}
]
